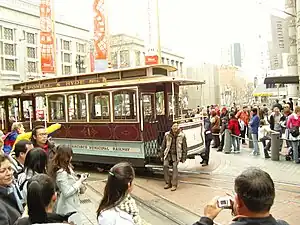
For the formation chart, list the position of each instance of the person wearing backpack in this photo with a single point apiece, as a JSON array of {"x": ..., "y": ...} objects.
[
  {"x": 35, "y": 163},
  {"x": 293, "y": 124}
]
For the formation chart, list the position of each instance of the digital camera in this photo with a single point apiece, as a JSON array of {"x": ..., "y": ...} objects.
[{"x": 225, "y": 202}]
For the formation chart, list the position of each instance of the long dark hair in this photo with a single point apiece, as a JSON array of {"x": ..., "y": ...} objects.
[
  {"x": 36, "y": 160},
  {"x": 116, "y": 189},
  {"x": 40, "y": 190},
  {"x": 61, "y": 160}
]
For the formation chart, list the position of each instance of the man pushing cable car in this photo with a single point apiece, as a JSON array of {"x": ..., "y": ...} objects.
[{"x": 174, "y": 150}]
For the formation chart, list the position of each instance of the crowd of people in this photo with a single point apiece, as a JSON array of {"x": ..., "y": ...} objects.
[
  {"x": 38, "y": 184},
  {"x": 256, "y": 121}
]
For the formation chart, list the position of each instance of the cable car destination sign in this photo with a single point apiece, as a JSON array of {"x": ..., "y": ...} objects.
[{"x": 63, "y": 83}]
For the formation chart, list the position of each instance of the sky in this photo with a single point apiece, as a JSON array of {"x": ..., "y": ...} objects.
[{"x": 195, "y": 28}]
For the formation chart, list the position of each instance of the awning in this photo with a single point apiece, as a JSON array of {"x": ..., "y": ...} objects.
[{"x": 282, "y": 80}]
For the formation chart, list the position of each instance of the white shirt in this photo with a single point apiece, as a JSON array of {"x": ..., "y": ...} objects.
[{"x": 115, "y": 216}]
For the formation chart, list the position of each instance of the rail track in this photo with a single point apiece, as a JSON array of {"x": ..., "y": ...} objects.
[
  {"x": 170, "y": 213},
  {"x": 223, "y": 182}
]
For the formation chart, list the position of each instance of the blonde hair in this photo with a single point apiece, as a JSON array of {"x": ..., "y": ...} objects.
[{"x": 16, "y": 125}]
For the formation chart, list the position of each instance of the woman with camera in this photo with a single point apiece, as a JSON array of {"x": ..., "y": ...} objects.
[
  {"x": 41, "y": 197},
  {"x": 117, "y": 206},
  {"x": 69, "y": 186}
]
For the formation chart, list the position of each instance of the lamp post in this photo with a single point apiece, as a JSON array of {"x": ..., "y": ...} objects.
[{"x": 79, "y": 63}]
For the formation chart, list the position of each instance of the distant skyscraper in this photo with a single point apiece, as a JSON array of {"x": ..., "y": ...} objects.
[
  {"x": 236, "y": 54},
  {"x": 233, "y": 55}
]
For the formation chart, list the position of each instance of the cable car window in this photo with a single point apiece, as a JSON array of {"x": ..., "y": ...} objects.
[
  {"x": 40, "y": 102},
  {"x": 13, "y": 110},
  {"x": 160, "y": 103},
  {"x": 176, "y": 105},
  {"x": 2, "y": 115},
  {"x": 148, "y": 107},
  {"x": 125, "y": 105},
  {"x": 77, "y": 107},
  {"x": 56, "y": 107},
  {"x": 27, "y": 109},
  {"x": 99, "y": 106}
]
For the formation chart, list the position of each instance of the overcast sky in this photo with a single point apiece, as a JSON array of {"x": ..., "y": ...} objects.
[{"x": 195, "y": 28}]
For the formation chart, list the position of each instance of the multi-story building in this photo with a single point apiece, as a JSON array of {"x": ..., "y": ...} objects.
[
  {"x": 208, "y": 93},
  {"x": 128, "y": 51},
  {"x": 233, "y": 55},
  {"x": 20, "y": 48}
]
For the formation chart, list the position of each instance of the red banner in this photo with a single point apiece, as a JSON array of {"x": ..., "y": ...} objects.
[
  {"x": 151, "y": 59},
  {"x": 47, "y": 38},
  {"x": 92, "y": 60},
  {"x": 100, "y": 41}
]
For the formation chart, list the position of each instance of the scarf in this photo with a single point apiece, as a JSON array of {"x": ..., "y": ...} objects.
[
  {"x": 129, "y": 206},
  {"x": 13, "y": 189}
]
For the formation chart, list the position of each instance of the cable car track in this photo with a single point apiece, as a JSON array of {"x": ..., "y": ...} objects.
[{"x": 151, "y": 206}]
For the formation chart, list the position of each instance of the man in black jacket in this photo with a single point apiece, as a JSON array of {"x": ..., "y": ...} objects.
[{"x": 255, "y": 193}]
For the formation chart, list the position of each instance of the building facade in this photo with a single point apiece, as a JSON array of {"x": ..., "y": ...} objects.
[
  {"x": 208, "y": 93},
  {"x": 128, "y": 51},
  {"x": 20, "y": 48}
]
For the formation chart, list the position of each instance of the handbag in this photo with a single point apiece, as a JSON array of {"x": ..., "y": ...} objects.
[{"x": 294, "y": 131}]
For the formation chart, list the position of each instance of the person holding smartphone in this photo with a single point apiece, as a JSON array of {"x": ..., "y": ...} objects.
[
  {"x": 255, "y": 193},
  {"x": 68, "y": 184}
]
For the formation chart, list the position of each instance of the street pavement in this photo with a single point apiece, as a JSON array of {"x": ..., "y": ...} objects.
[
  {"x": 230, "y": 165},
  {"x": 233, "y": 164}
]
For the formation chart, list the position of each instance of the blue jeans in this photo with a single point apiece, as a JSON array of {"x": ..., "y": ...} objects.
[
  {"x": 255, "y": 143},
  {"x": 295, "y": 145},
  {"x": 236, "y": 143}
]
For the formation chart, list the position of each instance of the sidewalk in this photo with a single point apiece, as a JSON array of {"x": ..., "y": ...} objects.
[{"x": 233, "y": 164}]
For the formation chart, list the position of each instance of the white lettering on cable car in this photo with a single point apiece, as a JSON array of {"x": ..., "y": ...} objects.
[{"x": 105, "y": 148}]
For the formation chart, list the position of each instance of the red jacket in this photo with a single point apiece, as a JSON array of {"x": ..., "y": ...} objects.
[{"x": 233, "y": 126}]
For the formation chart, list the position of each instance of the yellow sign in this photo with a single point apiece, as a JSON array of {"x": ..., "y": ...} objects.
[{"x": 262, "y": 94}]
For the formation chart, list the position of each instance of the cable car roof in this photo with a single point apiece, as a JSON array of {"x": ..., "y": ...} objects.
[{"x": 112, "y": 84}]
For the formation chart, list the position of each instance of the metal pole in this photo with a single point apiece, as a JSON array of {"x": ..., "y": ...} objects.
[
  {"x": 227, "y": 142},
  {"x": 275, "y": 143},
  {"x": 158, "y": 33},
  {"x": 2, "y": 118},
  {"x": 173, "y": 101},
  {"x": 30, "y": 119},
  {"x": 53, "y": 35}
]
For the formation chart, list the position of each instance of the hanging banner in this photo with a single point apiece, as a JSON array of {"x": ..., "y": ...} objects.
[
  {"x": 151, "y": 53},
  {"x": 100, "y": 42},
  {"x": 47, "y": 38},
  {"x": 92, "y": 60}
]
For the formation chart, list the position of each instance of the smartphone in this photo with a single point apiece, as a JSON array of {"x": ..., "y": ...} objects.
[{"x": 225, "y": 202}]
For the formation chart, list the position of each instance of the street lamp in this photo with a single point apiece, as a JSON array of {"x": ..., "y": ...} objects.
[{"x": 79, "y": 63}]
